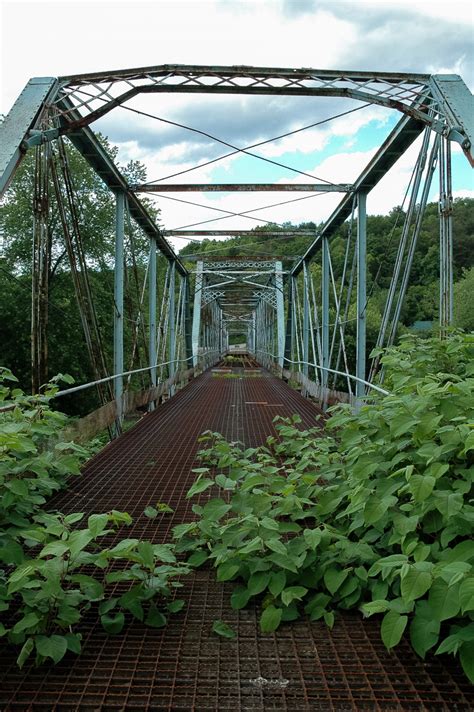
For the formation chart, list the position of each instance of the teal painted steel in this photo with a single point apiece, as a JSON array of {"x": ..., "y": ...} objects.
[
  {"x": 152, "y": 315},
  {"x": 305, "y": 319},
  {"x": 19, "y": 121},
  {"x": 118, "y": 303},
  {"x": 280, "y": 309},
  {"x": 197, "y": 313},
  {"x": 325, "y": 315},
  {"x": 458, "y": 104},
  {"x": 172, "y": 323},
  {"x": 361, "y": 292}
]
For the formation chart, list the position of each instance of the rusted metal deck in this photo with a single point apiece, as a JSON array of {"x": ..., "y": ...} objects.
[{"x": 184, "y": 666}]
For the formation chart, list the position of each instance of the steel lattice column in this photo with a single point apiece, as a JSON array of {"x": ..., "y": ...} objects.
[
  {"x": 118, "y": 301},
  {"x": 361, "y": 292}
]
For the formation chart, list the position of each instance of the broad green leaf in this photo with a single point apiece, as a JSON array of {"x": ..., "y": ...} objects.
[
  {"x": 421, "y": 486},
  {"x": 198, "y": 558},
  {"x": 392, "y": 628},
  {"x": 175, "y": 606},
  {"x": 285, "y": 562},
  {"x": 155, "y": 617},
  {"x": 270, "y": 619},
  {"x": 223, "y": 629},
  {"x": 199, "y": 486},
  {"x": 227, "y": 571},
  {"x": 375, "y": 508},
  {"x": 424, "y": 632},
  {"x": 277, "y": 546},
  {"x": 466, "y": 656},
  {"x": 150, "y": 512},
  {"x": 97, "y": 523},
  {"x": 277, "y": 583},
  {"x": 53, "y": 646},
  {"x": 164, "y": 552},
  {"x": 368, "y": 609},
  {"x": 444, "y": 600},
  {"x": 145, "y": 550},
  {"x": 329, "y": 619},
  {"x": 54, "y": 548},
  {"x": 25, "y": 652},
  {"x": 240, "y": 597},
  {"x": 73, "y": 642},
  {"x": 225, "y": 482},
  {"x": 113, "y": 624},
  {"x": 10, "y": 551},
  {"x": 448, "y": 503},
  {"x": 415, "y": 583},
  {"x": 312, "y": 537},
  {"x": 258, "y": 582},
  {"x": 333, "y": 578},
  {"x": 293, "y": 593},
  {"x": 30, "y": 620},
  {"x": 254, "y": 544},
  {"x": 466, "y": 594},
  {"x": 215, "y": 509}
]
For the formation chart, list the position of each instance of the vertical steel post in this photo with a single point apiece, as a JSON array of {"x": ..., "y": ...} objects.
[
  {"x": 280, "y": 313},
  {"x": 118, "y": 300},
  {"x": 197, "y": 313},
  {"x": 446, "y": 236},
  {"x": 152, "y": 315},
  {"x": 361, "y": 293},
  {"x": 325, "y": 318},
  {"x": 188, "y": 339},
  {"x": 289, "y": 323},
  {"x": 305, "y": 319},
  {"x": 172, "y": 325}
]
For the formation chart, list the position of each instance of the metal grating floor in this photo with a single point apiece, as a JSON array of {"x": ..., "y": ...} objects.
[{"x": 303, "y": 667}]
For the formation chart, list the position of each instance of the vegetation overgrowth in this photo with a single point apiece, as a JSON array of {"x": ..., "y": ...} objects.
[
  {"x": 376, "y": 513},
  {"x": 44, "y": 587}
]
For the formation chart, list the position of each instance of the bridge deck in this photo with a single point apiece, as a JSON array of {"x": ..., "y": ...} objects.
[{"x": 184, "y": 666}]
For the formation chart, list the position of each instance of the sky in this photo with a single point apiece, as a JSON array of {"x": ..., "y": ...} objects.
[{"x": 67, "y": 37}]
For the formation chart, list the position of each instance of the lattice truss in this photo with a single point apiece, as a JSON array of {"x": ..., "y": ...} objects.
[{"x": 95, "y": 94}]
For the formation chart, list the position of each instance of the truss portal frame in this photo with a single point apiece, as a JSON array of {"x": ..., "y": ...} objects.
[{"x": 51, "y": 107}]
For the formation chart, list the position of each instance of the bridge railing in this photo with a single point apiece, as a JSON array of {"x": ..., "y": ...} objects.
[{"x": 327, "y": 396}]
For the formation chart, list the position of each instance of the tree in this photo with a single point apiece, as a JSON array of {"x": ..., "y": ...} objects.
[{"x": 464, "y": 301}]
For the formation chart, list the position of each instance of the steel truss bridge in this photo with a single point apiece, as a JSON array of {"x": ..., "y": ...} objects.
[{"x": 293, "y": 316}]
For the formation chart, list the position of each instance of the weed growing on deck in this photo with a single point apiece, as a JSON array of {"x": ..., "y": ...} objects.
[
  {"x": 376, "y": 515},
  {"x": 44, "y": 590}
]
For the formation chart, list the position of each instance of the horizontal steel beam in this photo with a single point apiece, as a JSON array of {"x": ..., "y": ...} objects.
[
  {"x": 238, "y": 233},
  {"x": 246, "y": 71},
  {"x": 241, "y": 187}
]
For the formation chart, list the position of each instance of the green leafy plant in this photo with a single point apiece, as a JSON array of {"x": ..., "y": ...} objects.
[
  {"x": 34, "y": 462},
  {"x": 51, "y": 592},
  {"x": 45, "y": 587},
  {"x": 376, "y": 513}
]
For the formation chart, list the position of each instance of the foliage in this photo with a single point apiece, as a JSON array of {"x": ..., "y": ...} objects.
[
  {"x": 32, "y": 467},
  {"x": 44, "y": 587},
  {"x": 54, "y": 591},
  {"x": 463, "y": 301},
  {"x": 376, "y": 513}
]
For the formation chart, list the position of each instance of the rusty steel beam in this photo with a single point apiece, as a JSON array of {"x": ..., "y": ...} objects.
[
  {"x": 237, "y": 233},
  {"x": 240, "y": 187}
]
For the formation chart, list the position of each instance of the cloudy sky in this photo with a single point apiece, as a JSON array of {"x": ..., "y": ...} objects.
[{"x": 66, "y": 37}]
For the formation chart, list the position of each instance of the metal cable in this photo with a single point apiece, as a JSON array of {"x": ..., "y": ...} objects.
[{"x": 242, "y": 150}]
